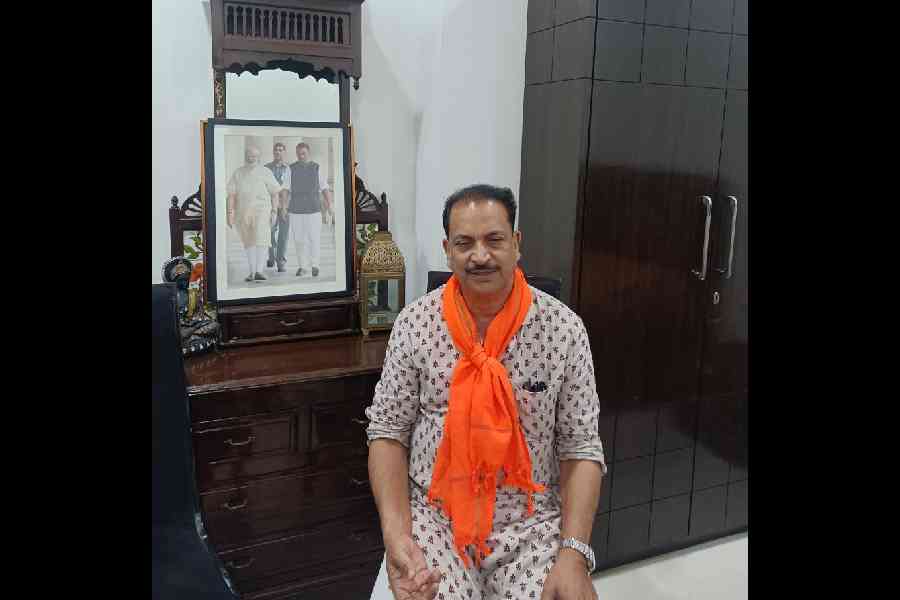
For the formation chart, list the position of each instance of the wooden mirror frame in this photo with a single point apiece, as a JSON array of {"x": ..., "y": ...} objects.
[{"x": 321, "y": 38}]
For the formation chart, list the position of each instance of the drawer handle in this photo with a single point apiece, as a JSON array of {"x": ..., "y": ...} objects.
[
  {"x": 359, "y": 421},
  {"x": 231, "y": 506},
  {"x": 358, "y": 536},
  {"x": 244, "y": 443},
  {"x": 233, "y": 565},
  {"x": 294, "y": 324},
  {"x": 359, "y": 482}
]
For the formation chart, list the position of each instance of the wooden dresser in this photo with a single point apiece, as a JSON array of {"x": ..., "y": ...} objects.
[{"x": 281, "y": 465}]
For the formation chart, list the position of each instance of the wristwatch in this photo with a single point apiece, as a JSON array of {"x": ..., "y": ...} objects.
[{"x": 580, "y": 546}]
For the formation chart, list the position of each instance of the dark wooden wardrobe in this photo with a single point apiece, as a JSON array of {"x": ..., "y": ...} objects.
[{"x": 635, "y": 192}]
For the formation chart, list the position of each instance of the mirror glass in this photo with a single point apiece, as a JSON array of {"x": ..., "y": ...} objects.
[{"x": 277, "y": 95}]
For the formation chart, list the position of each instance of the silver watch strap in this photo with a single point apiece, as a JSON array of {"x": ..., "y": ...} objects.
[{"x": 583, "y": 548}]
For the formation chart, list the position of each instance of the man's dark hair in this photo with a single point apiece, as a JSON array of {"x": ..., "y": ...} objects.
[
  {"x": 304, "y": 145},
  {"x": 276, "y": 144},
  {"x": 482, "y": 191}
]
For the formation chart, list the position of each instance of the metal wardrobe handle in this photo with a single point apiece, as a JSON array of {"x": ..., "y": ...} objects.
[
  {"x": 734, "y": 209},
  {"x": 701, "y": 274}
]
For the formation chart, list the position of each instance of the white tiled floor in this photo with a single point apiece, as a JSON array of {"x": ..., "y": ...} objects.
[{"x": 714, "y": 571}]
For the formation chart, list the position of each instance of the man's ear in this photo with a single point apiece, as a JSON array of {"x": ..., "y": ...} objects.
[
  {"x": 446, "y": 245},
  {"x": 518, "y": 236}
]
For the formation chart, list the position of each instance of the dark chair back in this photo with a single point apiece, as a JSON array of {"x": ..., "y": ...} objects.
[
  {"x": 183, "y": 565},
  {"x": 546, "y": 284},
  {"x": 173, "y": 500}
]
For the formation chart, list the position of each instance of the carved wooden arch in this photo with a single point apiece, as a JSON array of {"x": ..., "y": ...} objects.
[{"x": 321, "y": 38}]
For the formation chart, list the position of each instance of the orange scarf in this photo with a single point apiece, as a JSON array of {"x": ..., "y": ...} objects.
[{"x": 481, "y": 430}]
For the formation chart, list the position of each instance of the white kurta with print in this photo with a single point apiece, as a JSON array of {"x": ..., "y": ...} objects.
[
  {"x": 253, "y": 186},
  {"x": 561, "y": 422}
]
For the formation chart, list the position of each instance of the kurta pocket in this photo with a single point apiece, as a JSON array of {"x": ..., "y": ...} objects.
[{"x": 536, "y": 413}]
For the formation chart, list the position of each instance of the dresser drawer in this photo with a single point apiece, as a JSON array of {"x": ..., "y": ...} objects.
[
  {"x": 339, "y": 423},
  {"x": 232, "y": 439},
  {"x": 268, "y": 506},
  {"x": 279, "y": 398},
  {"x": 349, "y": 578},
  {"x": 303, "y": 552},
  {"x": 246, "y": 327}
]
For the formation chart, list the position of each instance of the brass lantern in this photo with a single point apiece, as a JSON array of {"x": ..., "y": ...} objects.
[{"x": 382, "y": 283}]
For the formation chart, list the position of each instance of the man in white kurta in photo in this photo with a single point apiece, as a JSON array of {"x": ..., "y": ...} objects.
[
  {"x": 308, "y": 189},
  {"x": 251, "y": 204}
]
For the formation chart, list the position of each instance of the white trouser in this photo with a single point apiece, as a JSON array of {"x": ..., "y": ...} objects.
[
  {"x": 256, "y": 256},
  {"x": 307, "y": 233}
]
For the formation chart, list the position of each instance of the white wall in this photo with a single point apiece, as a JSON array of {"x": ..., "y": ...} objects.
[
  {"x": 471, "y": 128},
  {"x": 182, "y": 96},
  {"x": 383, "y": 118}
]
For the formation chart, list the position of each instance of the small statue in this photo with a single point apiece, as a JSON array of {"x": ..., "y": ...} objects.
[{"x": 199, "y": 328}]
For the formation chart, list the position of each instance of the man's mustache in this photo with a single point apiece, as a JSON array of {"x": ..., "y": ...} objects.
[{"x": 479, "y": 270}]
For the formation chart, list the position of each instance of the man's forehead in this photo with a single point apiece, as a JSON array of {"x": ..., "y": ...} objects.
[
  {"x": 473, "y": 232},
  {"x": 478, "y": 215}
]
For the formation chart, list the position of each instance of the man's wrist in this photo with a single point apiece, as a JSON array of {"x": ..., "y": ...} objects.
[
  {"x": 390, "y": 534},
  {"x": 575, "y": 546},
  {"x": 574, "y": 556}
]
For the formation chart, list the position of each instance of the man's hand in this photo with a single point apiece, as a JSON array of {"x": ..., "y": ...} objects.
[
  {"x": 569, "y": 579},
  {"x": 408, "y": 575},
  {"x": 231, "y": 217}
]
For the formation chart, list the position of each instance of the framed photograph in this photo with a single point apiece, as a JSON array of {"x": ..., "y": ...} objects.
[{"x": 278, "y": 218}]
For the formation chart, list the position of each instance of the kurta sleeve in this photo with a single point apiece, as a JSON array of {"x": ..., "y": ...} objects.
[
  {"x": 396, "y": 402},
  {"x": 578, "y": 407},
  {"x": 272, "y": 185},
  {"x": 231, "y": 188}
]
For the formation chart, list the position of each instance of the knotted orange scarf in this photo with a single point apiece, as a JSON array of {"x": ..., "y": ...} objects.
[{"x": 481, "y": 430}]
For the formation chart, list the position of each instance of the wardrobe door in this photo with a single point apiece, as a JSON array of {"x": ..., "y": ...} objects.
[
  {"x": 651, "y": 179},
  {"x": 648, "y": 204},
  {"x": 725, "y": 358}
]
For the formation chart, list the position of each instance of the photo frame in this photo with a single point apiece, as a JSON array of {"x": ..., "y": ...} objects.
[{"x": 277, "y": 228}]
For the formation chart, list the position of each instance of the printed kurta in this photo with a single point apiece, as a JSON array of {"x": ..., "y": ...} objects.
[
  {"x": 253, "y": 187},
  {"x": 559, "y": 423}
]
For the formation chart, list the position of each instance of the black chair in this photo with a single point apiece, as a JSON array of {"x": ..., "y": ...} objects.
[
  {"x": 546, "y": 284},
  {"x": 183, "y": 564}
]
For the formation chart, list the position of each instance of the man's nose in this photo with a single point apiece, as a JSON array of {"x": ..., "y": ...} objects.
[{"x": 480, "y": 254}]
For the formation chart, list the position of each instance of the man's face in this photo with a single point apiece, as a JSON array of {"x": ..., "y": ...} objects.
[
  {"x": 278, "y": 153},
  {"x": 482, "y": 250},
  {"x": 251, "y": 156},
  {"x": 302, "y": 154}
]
